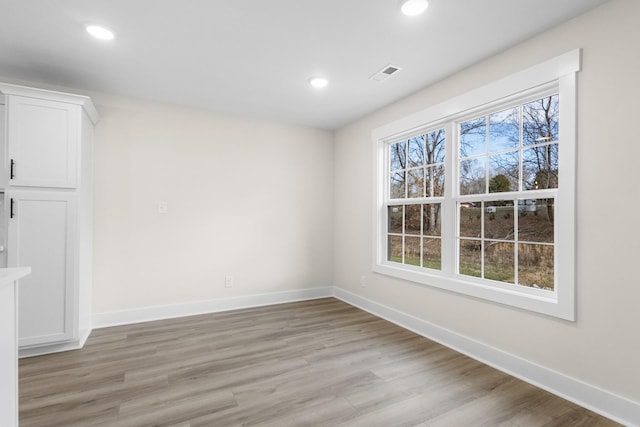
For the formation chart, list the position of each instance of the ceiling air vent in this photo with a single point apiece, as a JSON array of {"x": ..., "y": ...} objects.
[{"x": 386, "y": 72}]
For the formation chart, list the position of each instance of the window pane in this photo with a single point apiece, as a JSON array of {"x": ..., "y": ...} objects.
[
  {"x": 413, "y": 217},
  {"x": 415, "y": 183},
  {"x": 398, "y": 155},
  {"x": 472, "y": 176},
  {"x": 412, "y": 250},
  {"x": 499, "y": 262},
  {"x": 470, "y": 219},
  {"x": 431, "y": 253},
  {"x": 535, "y": 265},
  {"x": 540, "y": 167},
  {"x": 470, "y": 257},
  {"x": 498, "y": 220},
  {"x": 473, "y": 134},
  {"x": 503, "y": 172},
  {"x": 435, "y": 146},
  {"x": 504, "y": 130},
  {"x": 540, "y": 121},
  {"x": 416, "y": 151},
  {"x": 395, "y": 219},
  {"x": 397, "y": 185},
  {"x": 435, "y": 181},
  {"x": 394, "y": 250},
  {"x": 431, "y": 220},
  {"x": 535, "y": 222}
]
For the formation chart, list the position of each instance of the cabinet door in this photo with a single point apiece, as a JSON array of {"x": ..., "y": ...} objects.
[
  {"x": 42, "y": 141},
  {"x": 4, "y": 172},
  {"x": 42, "y": 236}
]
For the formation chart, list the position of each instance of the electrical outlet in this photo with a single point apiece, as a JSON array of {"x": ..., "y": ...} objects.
[
  {"x": 228, "y": 281},
  {"x": 363, "y": 281}
]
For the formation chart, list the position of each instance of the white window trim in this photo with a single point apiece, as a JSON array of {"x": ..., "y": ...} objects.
[{"x": 558, "y": 303}]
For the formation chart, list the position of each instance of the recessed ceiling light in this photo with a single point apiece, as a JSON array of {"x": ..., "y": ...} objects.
[
  {"x": 100, "y": 32},
  {"x": 414, "y": 7},
  {"x": 318, "y": 82}
]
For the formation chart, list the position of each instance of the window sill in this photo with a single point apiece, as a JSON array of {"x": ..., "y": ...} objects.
[{"x": 537, "y": 300}]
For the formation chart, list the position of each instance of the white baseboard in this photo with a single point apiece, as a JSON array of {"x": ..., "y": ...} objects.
[
  {"x": 39, "y": 350},
  {"x": 146, "y": 314},
  {"x": 593, "y": 398}
]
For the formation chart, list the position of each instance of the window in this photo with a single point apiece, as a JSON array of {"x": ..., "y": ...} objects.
[
  {"x": 416, "y": 178},
  {"x": 475, "y": 195},
  {"x": 507, "y": 170}
]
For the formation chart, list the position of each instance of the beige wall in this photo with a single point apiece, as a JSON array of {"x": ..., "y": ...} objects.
[
  {"x": 246, "y": 197},
  {"x": 602, "y": 347}
]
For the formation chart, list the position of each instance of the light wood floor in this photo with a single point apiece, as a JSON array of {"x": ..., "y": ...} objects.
[{"x": 312, "y": 363}]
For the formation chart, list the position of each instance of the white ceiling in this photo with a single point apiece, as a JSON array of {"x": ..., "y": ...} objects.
[{"x": 255, "y": 57}]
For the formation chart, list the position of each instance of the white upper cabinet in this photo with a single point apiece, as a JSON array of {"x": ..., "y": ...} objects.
[{"x": 43, "y": 138}]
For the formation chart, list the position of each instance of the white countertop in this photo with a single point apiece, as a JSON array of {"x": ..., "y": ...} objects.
[{"x": 9, "y": 275}]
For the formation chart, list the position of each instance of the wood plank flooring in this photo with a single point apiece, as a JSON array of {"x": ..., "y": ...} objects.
[{"x": 311, "y": 363}]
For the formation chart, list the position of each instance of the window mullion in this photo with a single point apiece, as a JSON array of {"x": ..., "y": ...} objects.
[
  {"x": 422, "y": 235},
  {"x": 449, "y": 215},
  {"x": 516, "y": 240},
  {"x": 487, "y": 165}
]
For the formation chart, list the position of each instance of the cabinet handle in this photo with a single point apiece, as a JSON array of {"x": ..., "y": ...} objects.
[
  {"x": 11, "y": 172},
  {"x": 11, "y": 213}
]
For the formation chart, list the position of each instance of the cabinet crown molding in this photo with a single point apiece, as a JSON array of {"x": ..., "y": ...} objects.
[{"x": 84, "y": 101}]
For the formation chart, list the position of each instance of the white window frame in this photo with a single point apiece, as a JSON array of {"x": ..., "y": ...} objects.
[{"x": 561, "y": 71}]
